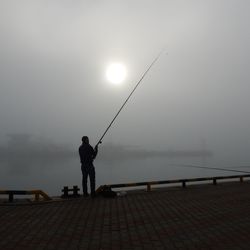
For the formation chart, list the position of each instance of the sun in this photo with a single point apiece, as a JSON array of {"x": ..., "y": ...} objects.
[{"x": 116, "y": 73}]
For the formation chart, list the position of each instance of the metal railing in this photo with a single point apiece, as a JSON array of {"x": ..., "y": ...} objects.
[
  {"x": 36, "y": 193},
  {"x": 183, "y": 182}
]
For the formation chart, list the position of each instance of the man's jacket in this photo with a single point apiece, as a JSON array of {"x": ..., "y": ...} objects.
[{"x": 87, "y": 154}]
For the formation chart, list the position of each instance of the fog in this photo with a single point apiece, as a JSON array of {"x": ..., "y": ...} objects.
[{"x": 191, "y": 108}]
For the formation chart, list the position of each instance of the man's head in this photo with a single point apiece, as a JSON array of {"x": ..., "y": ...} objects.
[{"x": 85, "y": 139}]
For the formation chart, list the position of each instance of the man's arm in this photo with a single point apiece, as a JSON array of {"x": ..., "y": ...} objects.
[{"x": 95, "y": 151}]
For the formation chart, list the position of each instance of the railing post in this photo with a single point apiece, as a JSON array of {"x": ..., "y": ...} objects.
[
  {"x": 65, "y": 191},
  {"x": 183, "y": 184},
  {"x": 36, "y": 196},
  {"x": 214, "y": 181},
  {"x": 11, "y": 197},
  {"x": 241, "y": 179},
  {"x": 148, "y": 187}
]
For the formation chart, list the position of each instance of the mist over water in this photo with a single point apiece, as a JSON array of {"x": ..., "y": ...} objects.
[{"x": 28, "y": 162}]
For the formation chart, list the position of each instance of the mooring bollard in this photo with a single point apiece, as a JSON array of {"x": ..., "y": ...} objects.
[
  {"x": 75, "y": 191},
  {"x": 66, "y": 191}
]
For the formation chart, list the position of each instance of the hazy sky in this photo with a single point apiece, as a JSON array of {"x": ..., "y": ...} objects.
[{"x": 53, "y": 57}]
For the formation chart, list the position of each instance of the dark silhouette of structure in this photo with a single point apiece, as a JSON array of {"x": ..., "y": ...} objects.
[
  {"x": 87, "y": 155},
  {"x": 66, "y": 191}
]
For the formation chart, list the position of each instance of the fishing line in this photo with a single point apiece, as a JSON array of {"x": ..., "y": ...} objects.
[{"x": 212, "y": 168}]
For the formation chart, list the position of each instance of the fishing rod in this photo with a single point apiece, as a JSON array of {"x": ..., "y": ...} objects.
[{"x": 144, "y": 74}]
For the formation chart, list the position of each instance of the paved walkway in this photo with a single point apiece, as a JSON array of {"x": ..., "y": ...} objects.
[{"x": 198, "y": 217}]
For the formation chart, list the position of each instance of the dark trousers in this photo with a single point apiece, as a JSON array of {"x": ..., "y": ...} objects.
[{"x": 88, "y": 170}]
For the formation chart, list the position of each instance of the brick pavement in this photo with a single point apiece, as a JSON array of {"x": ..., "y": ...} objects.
[{"x": 198, "y": 217}]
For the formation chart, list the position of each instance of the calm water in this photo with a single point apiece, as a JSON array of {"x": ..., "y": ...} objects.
[{"x": 52, "y": 176}]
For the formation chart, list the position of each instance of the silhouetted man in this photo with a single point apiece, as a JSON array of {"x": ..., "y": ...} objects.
[{"x": 87, "y": 156}]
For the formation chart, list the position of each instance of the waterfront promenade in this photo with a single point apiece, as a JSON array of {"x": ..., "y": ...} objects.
[{"x": 195, "y": 217}]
